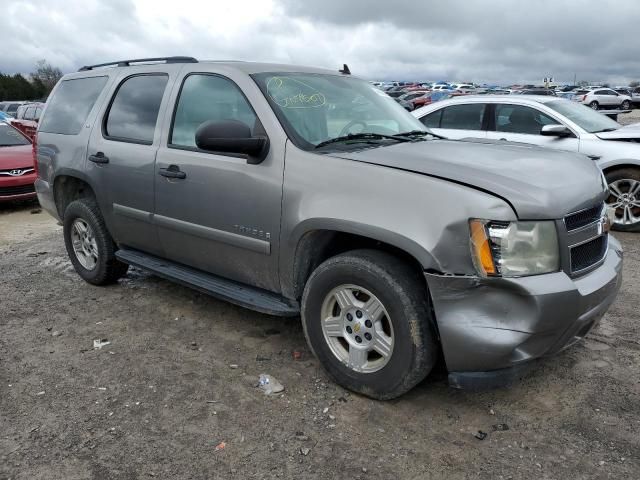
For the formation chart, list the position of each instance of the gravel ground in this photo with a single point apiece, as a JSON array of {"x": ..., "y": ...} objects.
[
  {"x": 178, "y": 379},
  {"x": 628, "y": 118}
]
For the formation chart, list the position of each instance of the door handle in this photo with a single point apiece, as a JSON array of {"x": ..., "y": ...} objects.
[
  {"x": 99, "y": 157},
  {"x": 172, "y": 171}
]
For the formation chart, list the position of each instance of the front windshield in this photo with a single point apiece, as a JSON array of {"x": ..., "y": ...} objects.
[
  {"x": 10, "y": 137},
  {"x": 314, "y": 108},
  {"x": 583, "y": 116}
]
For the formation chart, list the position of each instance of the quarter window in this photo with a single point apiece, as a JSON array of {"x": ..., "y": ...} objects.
[
  {"x": 432, "y": 120},
  {"x": 463, "y": 117},
  {"x": 70, "y": 105},
  {"x": 134, "y": 110},
  {"x": 204, "y": 98},
  {"x": 521, "y": 119}
]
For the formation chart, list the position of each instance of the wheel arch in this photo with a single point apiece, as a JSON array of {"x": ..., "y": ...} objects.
[
  {"x": 317, "y": 240},
  {"x": 622, "y": 164},
  {"x": 70, "y": 185}
]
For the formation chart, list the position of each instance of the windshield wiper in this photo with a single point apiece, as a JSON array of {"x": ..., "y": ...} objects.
[
  {"x": 363, "y": 136},
  {"x": 610, "y": 129},
  {"x": 422, "y": 133}
]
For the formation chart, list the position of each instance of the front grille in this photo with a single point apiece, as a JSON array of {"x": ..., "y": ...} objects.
[
  {"x": 588, "y": 254},
  {"x": 582, "y": 218},
  {"x": 18, "y": 190}
]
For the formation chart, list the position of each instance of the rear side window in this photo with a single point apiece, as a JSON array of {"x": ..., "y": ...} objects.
[
  {"x": 70, "y": 105},
  {"x": 463, "y": 117},
  {"x": 204, "y": 98},
  {"x": 30, "y": 113},
  {"x": 133, "y": 114}
]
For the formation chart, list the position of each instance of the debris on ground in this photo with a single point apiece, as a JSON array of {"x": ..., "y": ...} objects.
[
  {"x": 500, "y": 427},
  {"x": 233, "y": 366},
  {"x": 99, "y": 343},
  {"x": 35, "y": 211},
  {"x": 269, "y": 385},
  {"x": 262, "y": 358},
  {"x": 480, "y": 435},
  {"x": 305, "y": 451},
  {"x": 297, "y": 355},
  {"x": 40, "y": 393},
  {"x": 220, "y": 446},
  {"x": 56, "y": 333}
]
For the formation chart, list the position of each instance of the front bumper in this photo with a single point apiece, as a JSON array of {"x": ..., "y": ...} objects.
[
  {"x": 492, "y": 328},
  {"x": 17, "y": 188}
]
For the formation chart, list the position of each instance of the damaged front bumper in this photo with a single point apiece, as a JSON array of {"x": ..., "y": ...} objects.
[{"x": 492, "y": 328}]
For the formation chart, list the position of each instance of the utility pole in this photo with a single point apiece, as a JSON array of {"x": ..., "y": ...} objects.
[{"x": 574, "y": 78}]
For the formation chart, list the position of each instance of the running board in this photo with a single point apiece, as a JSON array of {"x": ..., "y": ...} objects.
[{"x": 228, "y": 290}]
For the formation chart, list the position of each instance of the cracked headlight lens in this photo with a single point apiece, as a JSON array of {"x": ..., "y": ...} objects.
[{"x": 514, "y": 249}]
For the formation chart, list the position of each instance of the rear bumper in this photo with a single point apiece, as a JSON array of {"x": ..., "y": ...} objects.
[
  {"x": 493, "y": 328},
  {"x": 46, "y": 198}
]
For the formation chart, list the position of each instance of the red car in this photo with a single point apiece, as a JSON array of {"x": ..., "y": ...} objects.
[
  {"x": 17, "y": 172},
  {"x": 27, "y": 118}
]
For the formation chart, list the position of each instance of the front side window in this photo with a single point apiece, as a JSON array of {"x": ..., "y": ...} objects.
[
  {"x": 586, "y": 118},
  {"x": 206, "y": 98},
  {"x": 70, "y": 105},
  {"x": 134, "y": 110},
  {"x": 316, "y": 108},
  {"x": 521, "y": 119},
  {"x": 463, "y": 117},
  {"x": 10, "y": 137}
]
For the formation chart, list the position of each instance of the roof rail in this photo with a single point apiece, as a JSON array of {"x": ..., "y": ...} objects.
[{"x": 127, "y": 63}]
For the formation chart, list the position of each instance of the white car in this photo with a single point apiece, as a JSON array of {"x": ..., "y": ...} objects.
[
  {"x": 554, "y": 123},
  {"x": 604, "y": 98}
]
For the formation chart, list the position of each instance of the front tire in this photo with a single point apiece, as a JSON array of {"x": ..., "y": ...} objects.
[
  {"x": 624, "y": 196},
  {"x": 89, "y": 244},
  {"x": 367, "y": 318}
]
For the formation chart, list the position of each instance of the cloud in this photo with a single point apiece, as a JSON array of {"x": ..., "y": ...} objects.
[{"x": 495, "y": 41}]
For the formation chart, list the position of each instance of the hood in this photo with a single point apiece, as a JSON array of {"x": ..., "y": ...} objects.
[
  {"x": 538, "y": 183},
  {"x": 19, "y": 156},
  {"x": 624, "y": 133}
]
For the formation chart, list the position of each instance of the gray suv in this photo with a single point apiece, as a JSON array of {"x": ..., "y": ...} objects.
[{"x": 300, "y": 191}]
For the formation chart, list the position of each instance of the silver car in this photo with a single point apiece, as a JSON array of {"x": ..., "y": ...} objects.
[
  {"x": 603, "y": 98},
  {"x": 554, "y": 123},
  {"x": 299, "y": 191}
]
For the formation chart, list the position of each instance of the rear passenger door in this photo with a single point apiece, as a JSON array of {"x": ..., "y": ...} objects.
[
  {"x": 458, "y": 121},
  {"x": 223, "y": 216},
  {"x": 122, "y": 152}
]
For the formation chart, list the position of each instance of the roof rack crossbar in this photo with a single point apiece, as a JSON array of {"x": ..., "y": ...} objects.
[{"x": 127, "y": 63}]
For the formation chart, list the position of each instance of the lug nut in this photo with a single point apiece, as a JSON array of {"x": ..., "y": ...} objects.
[
  {"x": 358, "y": 314},
  {"x": 349, "y": 317},
  {"x": 349, "y": 330},
  {"x": 368, "y": 323},
  {"x": 367, "y": 336},
  {"x": 358, "y": 339}
]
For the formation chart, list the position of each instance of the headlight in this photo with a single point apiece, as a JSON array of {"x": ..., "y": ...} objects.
[{"x": 514, "y": 249}]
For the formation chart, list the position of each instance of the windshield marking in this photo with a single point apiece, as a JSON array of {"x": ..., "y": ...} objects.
[{"x": 277, "y": 88}]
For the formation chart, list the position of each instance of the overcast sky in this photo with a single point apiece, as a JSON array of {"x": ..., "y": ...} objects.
[{"x": 493, "y": 41}]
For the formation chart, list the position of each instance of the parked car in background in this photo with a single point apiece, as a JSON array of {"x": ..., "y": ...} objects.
[
  {"x": 11, "y": 107},
  {"x": 537, "y": 91},
  {"x": 554, "y": 123},
  {"x": 391, "y": 244},
  {"x": 604, "y": 98},
  {"x": 5, "y": 117},
  {"x": 17, "y": 172},
  {"x": 27, "y": 117}
]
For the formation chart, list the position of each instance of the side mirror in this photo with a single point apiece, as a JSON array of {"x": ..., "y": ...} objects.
[
  {"x": 555, "y": 131},
  {"x": 232, "y": 136}
]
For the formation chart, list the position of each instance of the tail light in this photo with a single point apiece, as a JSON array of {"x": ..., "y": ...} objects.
[{"x": 34, "y": 152}]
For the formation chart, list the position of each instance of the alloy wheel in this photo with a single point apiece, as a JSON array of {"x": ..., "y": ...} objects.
[
  {"x": 624, "y": 197},
  {"x": 84, "y": 244},
  {"x": 357, "y": 328}
]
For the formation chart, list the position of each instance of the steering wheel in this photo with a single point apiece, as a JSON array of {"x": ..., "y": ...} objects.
[{"x": 347, "y": 127}]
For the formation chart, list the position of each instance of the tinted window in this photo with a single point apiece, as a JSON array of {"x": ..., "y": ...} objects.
[
  {"x": 520, "y": 119},
  {"x": 13, "y": 108},
  {"x": 30, "y": 113},
  {"x": 204, "y": 98},
  {"x": 9, "y": 136},
  {"x": 134, "y": 111},
  {"x": 432, "y": 120},
  {"x": 70, "y": 105},
  {"x": 463, "y": 117}
]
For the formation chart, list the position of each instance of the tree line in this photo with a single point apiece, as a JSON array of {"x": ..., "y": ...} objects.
[{"x": 36, "y": 86}]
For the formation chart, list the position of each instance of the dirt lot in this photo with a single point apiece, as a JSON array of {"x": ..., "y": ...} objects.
[{"x": 166, "y": 391}]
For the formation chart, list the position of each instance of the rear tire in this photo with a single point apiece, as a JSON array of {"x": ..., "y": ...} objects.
[
  {"x": 624, "y": 188},
  {"x": 594, "y": 105},
  {"x": 89, "y": 244},
  {"x": 379, "y": 340},
  {"x": 626, "y": 105}
]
